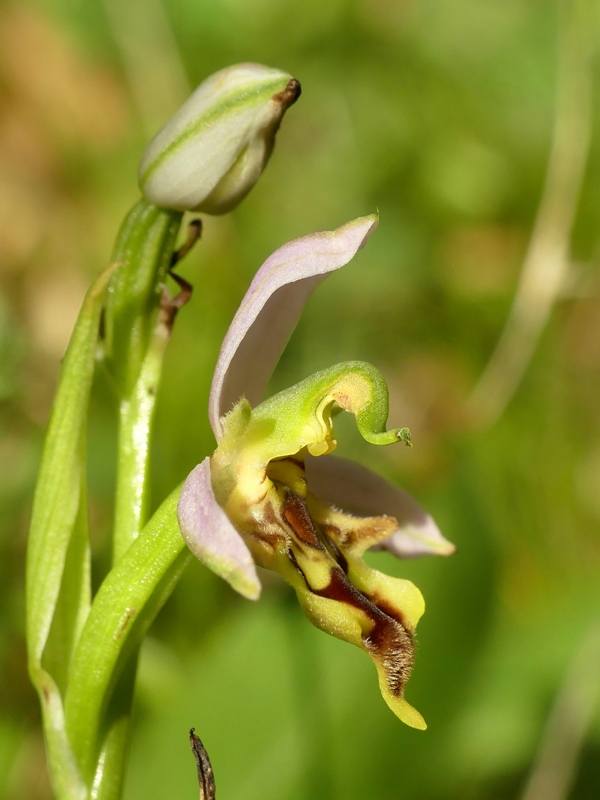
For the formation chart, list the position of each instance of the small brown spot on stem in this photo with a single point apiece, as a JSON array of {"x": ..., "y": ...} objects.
[{"x": 128, "y": 616}]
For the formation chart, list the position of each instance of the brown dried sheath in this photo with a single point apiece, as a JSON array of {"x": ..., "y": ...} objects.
[{"x": 206, "y": 778}]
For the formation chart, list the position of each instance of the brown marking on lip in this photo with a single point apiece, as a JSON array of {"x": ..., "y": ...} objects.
[
  {"x": 395, "y": 647},
  {"x": 296, "y": 515},
  {"x": 391, "y": 610},
  {"x": 267, "y": 529},
  {"x": 370, "y": 529},
  {"x": 349, "y": 530},
  {"x": 339, "y": 588},
  {"x": 332, "y": 542},
  {"x": 388, "y": 639},
  {"x": 288, "y": 96}
]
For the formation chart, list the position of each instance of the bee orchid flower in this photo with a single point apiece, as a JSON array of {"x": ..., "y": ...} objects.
[{"x": 272, "y": 494}]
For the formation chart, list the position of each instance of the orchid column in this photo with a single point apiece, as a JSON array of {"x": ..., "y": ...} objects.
[{"x": 207, "y": 158}]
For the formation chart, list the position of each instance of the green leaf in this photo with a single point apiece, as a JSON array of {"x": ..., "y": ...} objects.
[
  {"x": 125, "y": 606},
  {"x": 58, "y": 575},
  {"x": 57, "y": 497},
  {"x": 66, "y": 776},
  {"x": 74, "y": 600}
]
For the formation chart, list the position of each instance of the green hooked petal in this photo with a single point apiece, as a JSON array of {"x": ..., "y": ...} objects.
[
  {"x": 301, "y": 417},
  {"x": 298, "y": 419},
  {"x": 302, "y": 414}
]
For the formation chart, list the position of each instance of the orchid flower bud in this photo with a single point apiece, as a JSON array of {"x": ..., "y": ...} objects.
[{"x": 212, "y": 151}]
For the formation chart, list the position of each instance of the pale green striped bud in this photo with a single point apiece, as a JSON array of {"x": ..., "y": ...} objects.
[{"x": 212, "y": 151}]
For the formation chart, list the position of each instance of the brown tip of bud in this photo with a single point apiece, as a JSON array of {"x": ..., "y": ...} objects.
[{"x": 289, "y": 95}]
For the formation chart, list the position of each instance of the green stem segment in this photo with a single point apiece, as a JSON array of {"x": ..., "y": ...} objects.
[
  {"x": 83, "y": 659},
  {"x": 136, "y": 417},
  {"x": 136, "y": 339},
  {"x": 58, "y": 584},
  {"x": 144, "y": 246},
  {"x": 135, "y": 342},
  {"x": 125, "y": 606}
]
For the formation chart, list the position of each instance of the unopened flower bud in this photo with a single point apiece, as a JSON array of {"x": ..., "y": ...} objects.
[{"x": 212, "y": 151}]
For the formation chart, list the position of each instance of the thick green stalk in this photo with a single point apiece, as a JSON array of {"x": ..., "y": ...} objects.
[
  {"x": 136, "y": 339},
  {"x": 144, "y": 247},
  {"x": 125, "y": 606},
  {"x": 135, "y": 430},
  {"x": 136, "y": 417},
  {"x": 58, "y": 590},
  {"x": 85, "y": 682},
  {"x": 111, "y": 765}
]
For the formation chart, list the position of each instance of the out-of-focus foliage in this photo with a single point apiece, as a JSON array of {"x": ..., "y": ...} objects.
[{"x": 439, "y": 113}]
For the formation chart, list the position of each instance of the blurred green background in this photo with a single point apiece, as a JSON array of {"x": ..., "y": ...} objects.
[{"x": 439, "y": 113}]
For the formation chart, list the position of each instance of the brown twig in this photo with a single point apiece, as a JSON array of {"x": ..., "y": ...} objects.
[
  {"x": 194, "y": 232},
  {"x": 206, "y": 778},
  {"x": 169, "y": 306}
]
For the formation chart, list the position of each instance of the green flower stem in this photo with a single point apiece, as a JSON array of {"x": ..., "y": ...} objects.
[
  {"x": 144, "y": 246},
  {"x": 135, "y": 341},
  {"x": 124, "y": 608},
  {"x": 61, "y": 626},
  {"x": 114, "y": 752},
  {"x": 136, "y": 338},
  {"x": 58, "y": 589},
  {"x": 136, "y": 416},
  {"x": 135, "y": 430}
]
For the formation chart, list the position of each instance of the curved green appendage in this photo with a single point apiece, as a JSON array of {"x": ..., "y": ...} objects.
[{"x": 301, "y": 417}]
